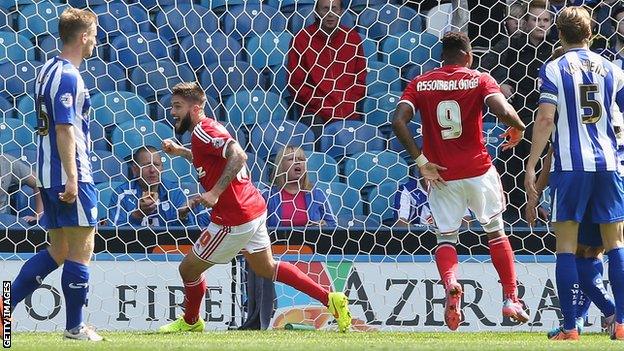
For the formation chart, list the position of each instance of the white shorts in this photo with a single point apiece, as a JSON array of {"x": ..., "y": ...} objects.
[
  {"x": 219, "y": 244},
  {"x": 483, "y": 195}
]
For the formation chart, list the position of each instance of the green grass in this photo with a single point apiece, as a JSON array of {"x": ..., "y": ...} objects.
[{"x": 313, "y": 341}]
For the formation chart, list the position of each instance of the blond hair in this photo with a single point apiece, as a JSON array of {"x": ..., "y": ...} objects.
[
  {"x": 279, "y": 173},
  {"x": 74, "y": 22},
  {"x": 575, "y": 25}
]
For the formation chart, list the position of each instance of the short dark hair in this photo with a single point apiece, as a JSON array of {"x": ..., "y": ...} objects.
[
  {"x": 190, "y": 91},
  {"x": 454, "y": 46},
  {"x": 615, "y": 11},
  {"x": 73, "y": 22}
]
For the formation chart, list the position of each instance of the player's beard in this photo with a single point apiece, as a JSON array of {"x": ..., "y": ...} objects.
[{"x": 184, "y": 124}]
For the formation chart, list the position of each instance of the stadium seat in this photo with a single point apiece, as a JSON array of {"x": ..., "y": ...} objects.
[
  {"x": 415, "y": 128},
  {"x": 382, "y": 78},
  {"x": 8, "y": 220},
  {"x": 141, "y": 131},
  {"x": 26, "y": 110},
  {"x": 104, "y": 193},
  {"x": 415, "y": 70},
  {"x": 106, "y": 167},
  {"x": 359, "y": 222},
  {"x": 381, "y": 200},
  {"x": 39, "y": 18},
  {"x": 14, "y": 134},
  {"x": 343, "y": 138},
  {"x": 85, "y": 3},
  {"x": 229, "y": 77},
  {"x": 203, "y": 49},
  {"x": 368, "y": 169},
  {"x": 344, "y": 201},
  {"x": 278, "y": 81},
  {"x": 18, "y": 78},
  {"x": 388, "y": 19},
  {"x": 222, "y": 5},
  {"x": 493, "y": 141},
  {"x": 15, "y": 47},
  {"x": 411, "y": 48},
  {"x": 181, "y": 171},
  {"x": 370, "y": 47},
  {"x": 98, "y": 136},
  {"x": 257, "y": 167},
  {"x": 25, "y": 154},
  {"x": 4, "y": 19},
  {"x": 7, "y": 110},
  {"x": 48, "y": 46},
  {"x": 157, "y": 78},
  {"x": 439, "y": 19},
  {"x": 138, "y": 49},
  {"x": 267, "y": 139},
  {"x": 118, "y": 19},
  {"x": 117, "y": 107},
  {"x": 379, "y": 109},
  {"x": 191, "y": 188},
  {"x": 241, "y": 21},
  {"x": 358, "y": 5},
  {"x": 321, "y": 167},
  {"x": 268, "y": 50},
  {"x": 100, "y": 76},
  {"x": 255, "y": 107},
  {"x": 289, "y": 5},
  {"x": 149, "y": 4},
  {"x": 303, "y": 16},
  {"x": 183, "y": 20}
]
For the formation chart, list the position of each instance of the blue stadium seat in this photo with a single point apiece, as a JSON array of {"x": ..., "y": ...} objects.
[
  {"x": 321, "y": 167},
  {"x": 303, "y": 16},
  {"x": 8, "y": 220},
  {"x": 359, "y": 222},
  {"x": 203, "y": 49},
  {"x": 344, "y": 201},
  {"x": 184, "y": 20},
  {"x": 383, "y": 20},
  {"x": 138, "y": 49},
  {"x": 380, "y": 108},
  {"x": 106, "y": 167},
  {"x": 149, "y": 4},
  {"x": 157, "y": 78},
  {"x": 191, "y": 189},
  {"x": 415, "y": 70},
  {"x": 382, "y": 78},
  {"x": 7, "y": 110},
  {"x": 267, "y": 139},
  {"x": 4, "y": 18},
  {"x": 141, "y": 131},
  {"x": 343, "y": 138},
  {"x": 14, "y": 134},
  {"x": 411, "y": 48},
  {"x": 181, "y": 171},
  {"x": 26, "y": 154},
  {"x": 104, "y": 193},
  {"x": 100, "y": 76},
  {"x": 358, "y": 5},
  {"x": 48, "y": 46},
  {"x": 229, "y": 77},
  {"x": 42, "y": 17},
  {"x": 117, "y": 107},
  {"x": 268, "y": 49},
  {"x": 11, "y": 4},
  {"x": 255, "y": 107},
  {"x": 85, "y": 3},
  {"x": 277, "y": 81},
  {"x": 18, "y": 78},
  {"x": 258, "y": 168},
  {"x": 98, "y": 136},
  {"x": 289, "y": 5},
  {"x": 15, "y": 47},
  {"x": 369, "y": 169},
  {"x": 26, "y": 110},
  {"x": 121, "y": 19},
  {"x": 242, "y": 21},
  {"x": 493, "y": 141},
  {"x": 381, "y": 201},
  {"x": 371, "y": 48},
  {"x": 222, "y": 5},
  {"x": 415, "y": 128}
]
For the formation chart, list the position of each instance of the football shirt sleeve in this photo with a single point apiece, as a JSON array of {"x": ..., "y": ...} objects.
[
  {"x": 215, "y": 138},
  {"x": 548, "y": 89},
  {"x": 488, "y": 85},
  {"x": 410, "y": 96},
  {"x": 63, "y": 99}
]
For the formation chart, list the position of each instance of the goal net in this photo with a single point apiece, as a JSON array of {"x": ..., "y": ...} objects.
[{"x": 241, "y": 52}]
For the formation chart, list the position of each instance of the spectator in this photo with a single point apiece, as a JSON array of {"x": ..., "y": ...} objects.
[
  {"x": 292, "y": 200},
  {"x": 14, "y": 173},
  {"x": 147, "y": 200},
  {"x": 327, "y": 68},
  {"x": 617, "y": 41},
  {"x": 514, "y": 22}
]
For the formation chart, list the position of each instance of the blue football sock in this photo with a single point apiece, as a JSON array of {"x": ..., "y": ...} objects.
[
  {"x": 616, "y": 277},
  {"x": 567, "y": 285},
  {"x": 75, "y": 283},
  {"x": 31, "y": 275},
  {"x": 590, "y": 281}
]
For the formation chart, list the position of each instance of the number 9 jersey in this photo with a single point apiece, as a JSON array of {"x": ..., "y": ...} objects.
[
  {"x": 241, "y": 202},
  {"x": 451, "y": 102}
]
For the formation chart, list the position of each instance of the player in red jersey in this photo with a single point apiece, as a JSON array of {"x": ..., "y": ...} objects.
[
  {"x": 238, "y": 214},
  {"x": 457, "y": 166}
]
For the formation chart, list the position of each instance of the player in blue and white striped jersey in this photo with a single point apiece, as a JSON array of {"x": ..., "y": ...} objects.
[
  {"x": 64, "y": 174},
  {"x": 581, "y": 97}
]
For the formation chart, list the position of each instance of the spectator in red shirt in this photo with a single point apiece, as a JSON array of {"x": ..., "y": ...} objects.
[{"x": 327, "y": 68}]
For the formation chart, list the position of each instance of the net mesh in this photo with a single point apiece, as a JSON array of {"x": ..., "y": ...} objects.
[{"x": 239, "y": 51}]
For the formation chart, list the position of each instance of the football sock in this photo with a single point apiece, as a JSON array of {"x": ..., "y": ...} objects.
[
  {"x": 31, "y": 275},
  {"x": 193, "y": 297},
  {"x": 287, "y": 273},
  {"x": 447, "y": 262},
  {"x": 583, "y": 304},
  {"x": 590, "y": 282},
  {"x": 616, "y": 277},
  {"x": 503, "y": 260},
  {"x": 75, "y": 283},
  {"x": 567, "y": 279}
]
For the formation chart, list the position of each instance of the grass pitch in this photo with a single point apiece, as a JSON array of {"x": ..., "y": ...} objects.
[{"x": 313, "y": 341}]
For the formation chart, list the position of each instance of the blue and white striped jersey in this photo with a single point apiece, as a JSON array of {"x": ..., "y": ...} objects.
[
  {"x": 588, "y": 91},
  {"x": 61, "y": 98}
]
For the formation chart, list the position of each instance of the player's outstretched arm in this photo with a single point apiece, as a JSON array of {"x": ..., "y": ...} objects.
[
  {"x": 236, "y": 159},
  {"x": 67, "y": 153},
  {"x": 174, "y": 149}
]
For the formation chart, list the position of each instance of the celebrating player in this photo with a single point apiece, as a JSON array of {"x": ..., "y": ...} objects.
[
  {"x": 64, "y": 174},
  {"x": 587, "y": 93},
  {"x": 238, "y": 214},
  {"x": 455, "y": 162}
]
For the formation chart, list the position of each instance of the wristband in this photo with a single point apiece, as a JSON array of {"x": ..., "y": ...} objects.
[{"x": 421, "y": 160}]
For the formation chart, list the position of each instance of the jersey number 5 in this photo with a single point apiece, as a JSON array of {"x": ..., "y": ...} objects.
[
  {"x": 588, "y": 102},
  {"x": 43, "y": 121},
  {"x": 449, "y": 118}
]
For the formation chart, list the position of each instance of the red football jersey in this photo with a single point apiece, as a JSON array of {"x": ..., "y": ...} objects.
[
  {"x": 451, "y": 101},
  {"x": 240, "y": 202}
]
